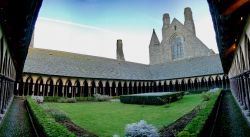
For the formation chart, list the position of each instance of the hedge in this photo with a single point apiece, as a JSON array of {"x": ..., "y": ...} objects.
[
  {"x": 197, "y": 124},
  {"x": 46, "y": 125},
  {"x": 158, "y": 98}
]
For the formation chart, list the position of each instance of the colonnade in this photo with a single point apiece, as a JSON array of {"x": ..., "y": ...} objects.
[
  {"x": 38, "y": 85},
  {"x": 7, "y": 75},
  {"x": 239, "y": 72}
]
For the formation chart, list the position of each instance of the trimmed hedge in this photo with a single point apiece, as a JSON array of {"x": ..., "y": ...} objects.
[
  {"x": 196, "y": 126},
  {"x": 46, "y": 125},
  {"x": 158, "y": 98}
]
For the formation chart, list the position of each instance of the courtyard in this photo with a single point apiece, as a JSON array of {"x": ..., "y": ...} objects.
[{"x": 110, "y": 118}]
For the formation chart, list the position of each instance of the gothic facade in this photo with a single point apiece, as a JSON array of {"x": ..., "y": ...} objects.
[{"x": 179, "y": 41}]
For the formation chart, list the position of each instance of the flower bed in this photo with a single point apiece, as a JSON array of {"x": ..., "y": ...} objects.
[
  {"x": 157, "y": 98},
  {"x": 197, "y": 125}
]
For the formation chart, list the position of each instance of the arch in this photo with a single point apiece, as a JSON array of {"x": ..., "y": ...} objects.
[
  {"x": 176, "y": 86},
  {"x": 182, "y": 85},
  {"x": 196, "y": 84},
  {"x": 68, "y": 92},
  {"x": 77, "y": 89},
  {"x": 125, "y": 89},
  {"x": 203, "y": 83},
  {"x": 86, "y": 88},
  {"x": 107, "y": 88},
  {"x": 171, "y": 87},
  {"x": 189, "y": 85},
  {"x": 218, "y": 82},
  {"x": 39, "y": 87},
  {"x": 119, "y": 89},
  {"x": 93, "y": 88},
  {"x": 210, "y": 82},
  {"x": 135, "y": 88},
  {"x": 28, "y": 89},
  {"x": 59, "y": 88},
  {"x": 49, "y": 87}
]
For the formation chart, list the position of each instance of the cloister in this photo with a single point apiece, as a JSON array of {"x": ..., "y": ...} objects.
[{"x": 78, "y": 87}]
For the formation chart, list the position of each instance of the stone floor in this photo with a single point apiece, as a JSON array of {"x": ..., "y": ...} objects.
[
  {"x": 230, "y": 121},
  {"x": 16, "y": 123}
]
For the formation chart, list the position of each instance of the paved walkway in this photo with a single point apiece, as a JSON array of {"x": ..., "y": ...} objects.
[
  {"x": 17, "y": 123},
  {"x": 230, "y": 121}
]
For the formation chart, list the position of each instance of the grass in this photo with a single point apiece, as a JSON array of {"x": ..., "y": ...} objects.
[{"x": 108, "y": 118}]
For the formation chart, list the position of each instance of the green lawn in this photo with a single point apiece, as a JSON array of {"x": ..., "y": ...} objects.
[{"x": 108, "y": 118}]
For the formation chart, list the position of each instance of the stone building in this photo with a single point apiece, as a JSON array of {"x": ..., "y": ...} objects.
[
  {"x": 193, "y": 68},
  {"x": 17, "y": 20},
  {"x": 179, "y": 41},
  {"x": 232, "y": 26}
]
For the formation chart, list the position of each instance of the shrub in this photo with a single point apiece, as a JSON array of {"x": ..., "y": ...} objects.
[
  {"x": 47, "y": 126},
  {"x": 206, "y": 96},
  {"x": 70, "y": 100},
  {"x": 61, "y": 100},
  {"x": 159, "y": 98},
  {"x": 141, "y": 129},
  {"x": 51, "y": 99},
  {"x": 99, "y": 97},
  {"x": 196, "y": 125},
  {"x": 66, "y": 100},
  {"x": 38, "y": 99},
  {"x": 57, "y": 114},
  {"x": 85, "y": 99}
]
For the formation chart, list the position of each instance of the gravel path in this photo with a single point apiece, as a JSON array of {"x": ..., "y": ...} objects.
[
  {"x": 230, "y": 121},
  {"x": 17, "y": 123}
]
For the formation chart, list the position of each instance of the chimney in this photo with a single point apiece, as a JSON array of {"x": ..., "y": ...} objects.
[
  {"x": 166, "y": 23},
  {"x": 119, "y": 51},
  {"x": 189, "y": 22}
]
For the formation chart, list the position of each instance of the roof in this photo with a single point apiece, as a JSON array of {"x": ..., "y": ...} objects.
[
  {"x": 229, "y": 17},
  {"x": 51, "y": 62},
  {"x": 191, "y": 67},
  {"x": 17, "y": 18}
]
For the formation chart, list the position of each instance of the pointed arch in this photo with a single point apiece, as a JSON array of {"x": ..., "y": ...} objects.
[
  {"x": 77, "y": 89},
  {"x": 49, "y": 87},
  {"x": 59, "y": 88}
]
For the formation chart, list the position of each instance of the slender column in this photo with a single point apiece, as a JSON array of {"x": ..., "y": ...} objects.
[
  {"x": 116, "y": 91},
  {"x": 110, "y": 91},
  {"x": 89, "y": 91}
]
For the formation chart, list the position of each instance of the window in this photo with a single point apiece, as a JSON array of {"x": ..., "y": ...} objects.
[{"x": 177, "y": 48}]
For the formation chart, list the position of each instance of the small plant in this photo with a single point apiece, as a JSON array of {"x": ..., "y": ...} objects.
[
  {"x": 57, "y": 114},
  {"x": 38, "y": 99},
  {"x": 61, "y": 100},
  {"x": 141, "y": 129},
  {"x": 205, "y": 96},
  {"x": 71, "y": 100},
  {"x": 66, "y": 100},
  {"x": 99, "y": 97}
]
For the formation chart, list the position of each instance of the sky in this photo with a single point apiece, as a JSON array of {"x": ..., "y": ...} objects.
[{"x": 92, "y": 26}]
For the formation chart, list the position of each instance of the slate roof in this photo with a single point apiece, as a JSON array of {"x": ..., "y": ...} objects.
[
  {"x": 191, "y": 67},
  {"x": 61, "y": 63},
  {"x": 51, "y": 62}
]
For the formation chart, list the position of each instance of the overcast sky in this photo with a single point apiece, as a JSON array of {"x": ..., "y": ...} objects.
[{"x": 93, "y": 26}]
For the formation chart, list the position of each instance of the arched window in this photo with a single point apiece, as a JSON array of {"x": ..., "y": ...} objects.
[{"x": 177, "y": 48}]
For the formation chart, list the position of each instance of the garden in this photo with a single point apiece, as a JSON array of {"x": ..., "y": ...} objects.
[{"x": 90, "y": 117}]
